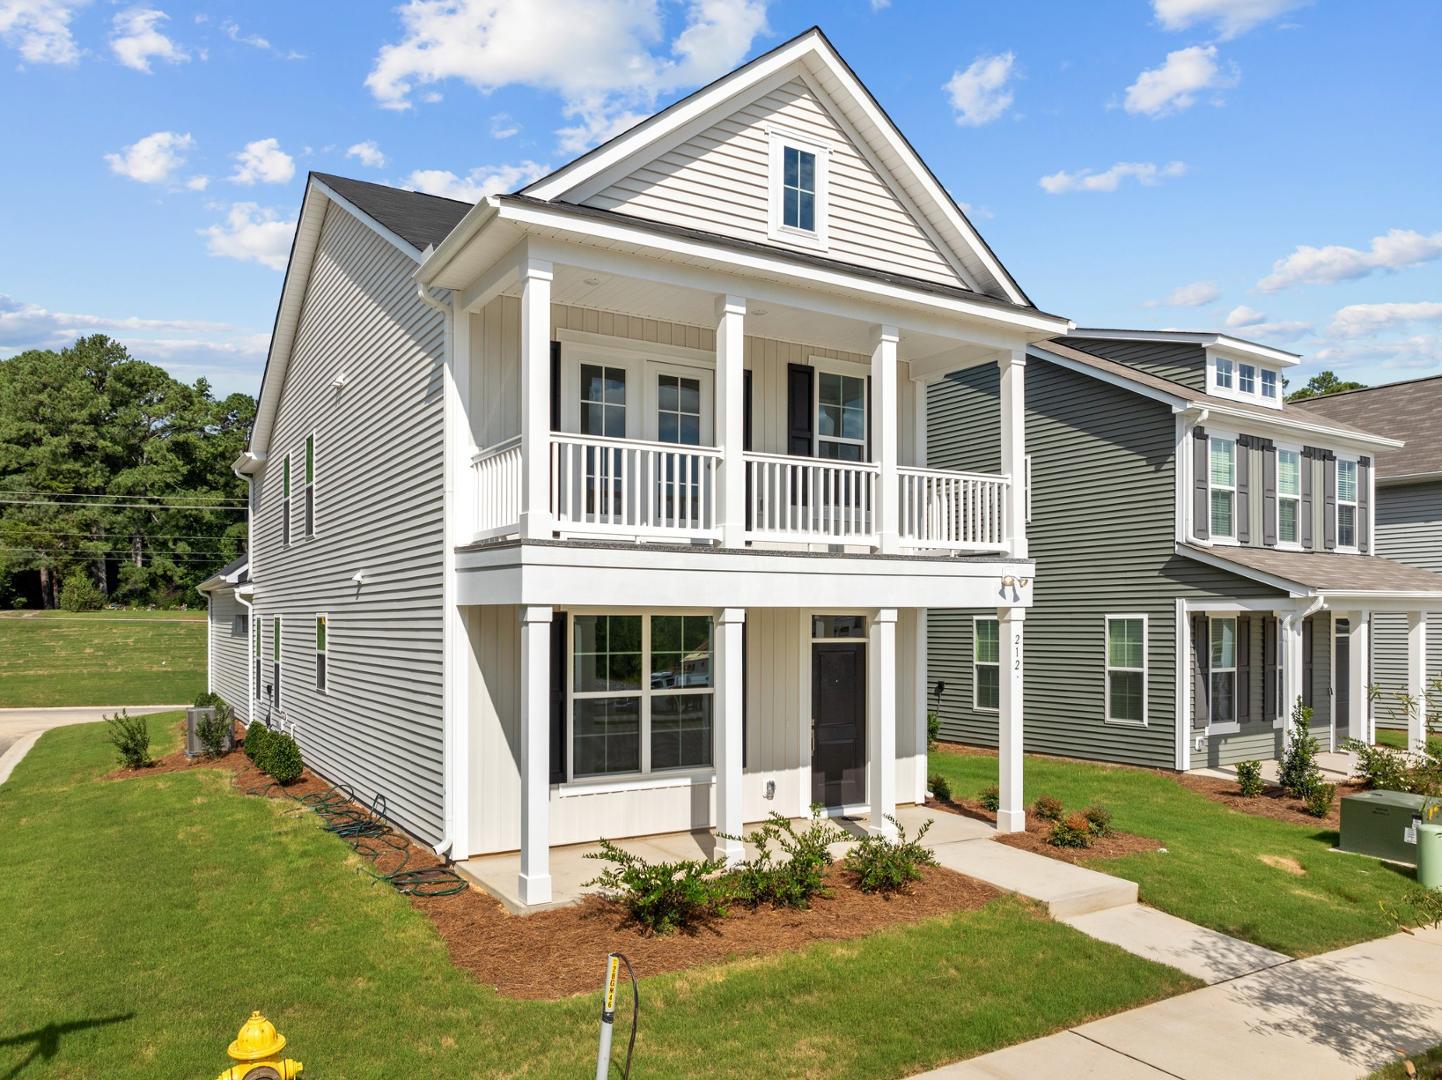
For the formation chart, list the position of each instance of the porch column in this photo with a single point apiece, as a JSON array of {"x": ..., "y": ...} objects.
[
  {"x": 881, "y": 721},
  {"x": 535, "y": 881},
  {"x": 730, "y": 417},
  {"x": 918, "y": 422},
  {"x": 1013, "y": 446},
  {"x": 885, "y": 409},
  {"x": 922, "y": 701},
  {"x": 1417, "y": 680},
  {"x": 1011, "y": 815},
  {"x": 1290, "y": 632},
  {"x": 1359, "y": 676},
  {"x": 536, "y": 399},
  {"x": 730, "y": 695}
]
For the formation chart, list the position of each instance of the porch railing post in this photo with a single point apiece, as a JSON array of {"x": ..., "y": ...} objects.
[
  {"x": 536, "y": 277},
  {"x": 730, "y": 416}
]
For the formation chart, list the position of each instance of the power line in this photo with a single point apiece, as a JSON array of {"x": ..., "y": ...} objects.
[
  {"x": 89, "y": 495},
  {"x": 227, "y": 508}
]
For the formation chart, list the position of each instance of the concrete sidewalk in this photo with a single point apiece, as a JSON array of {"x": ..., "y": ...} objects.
[
  {"x": 1331, "y": 1017},
  {"x": 20, "y": 728}
]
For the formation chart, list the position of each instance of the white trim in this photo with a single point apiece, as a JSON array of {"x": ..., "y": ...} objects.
[
  {"x": 287, "y": 480},
  {"x": 1214, "y": 436},
  {"x": 848, "y": 370},
  {"x": 310, "y": 488},
  {"x": 1355, "y": 504},
  {"x": 1239, "y": 366},
  {"x": 778, "y": 141},
  {"x": 1235, "y": 345},
  {"x": 1281, "y": 448},
  {"x": 1026, "y": 484},
  {"x": 322, "y": 686},
  {"x": 632, "y": 347},
  {"x": 1232, "y": 726},
  {"x": 975, "y": 664},
  {"x": 1107, "y": 669},
  {"x": 634, "y": 782},
  {"x": 1182, "y": 677},
  {"x": 404, "y": 247}
]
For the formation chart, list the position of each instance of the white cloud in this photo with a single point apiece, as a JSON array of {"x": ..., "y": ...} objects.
[
  {"x": 198, "y": 183},
  {"x": 503, "y": 127},
  {"x": 368, "y": 154},
  {"x": 1146, "y": 173},
  {"x": 1230, "y": 17},
  {"x": 880, "y": 5},
  {"x": 1253, "y": 324},
  {"x": 1241, "y": 315},
  {"x": 1419, "y": 351},
  {"x": 1175, "y": 85},
  {"x": 136, "y": 39},
  {"x": 251, "y": 233},
  {"x": 263, "y": 162},
  {"x": 980, "y": 93},
  {"x": 478, "y": 183},
  {"x": 606, "y": 59},
  {"x": 255, "y": 41},
  {"x": 1359, "y": 320},
  {"x": 1309, "y": 265},
  {"x": 1196, "y": 294},
  {"x": 154, "y": 159},
  {"x": 39, "y": 30}
]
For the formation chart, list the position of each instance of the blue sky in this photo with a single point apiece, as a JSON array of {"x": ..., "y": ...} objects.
[{"x": 1265, "y": 167}]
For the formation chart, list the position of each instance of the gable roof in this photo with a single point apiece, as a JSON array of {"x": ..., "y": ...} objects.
[
  {"x": 813, "y": 54},
  {"x": 419, "y": 219},
  {"x": 1319, "y": 572},
  {"x": 233, "y": 574},
  {"x": 1404, "y": 410}
]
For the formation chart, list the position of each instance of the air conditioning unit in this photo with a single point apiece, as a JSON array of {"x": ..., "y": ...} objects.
[
  {"x": 193, "y": 746},
  {"x": 1382, "y": 824}
]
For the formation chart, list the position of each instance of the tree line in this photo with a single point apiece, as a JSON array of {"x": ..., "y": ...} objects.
[{"x": 115, "y": 479}]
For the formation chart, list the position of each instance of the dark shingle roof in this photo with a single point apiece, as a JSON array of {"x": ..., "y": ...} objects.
[
  {"x": 1327, "y": 571},
  {"x": 1404, "y": 410},
  {"x": 419, "y": 219}
]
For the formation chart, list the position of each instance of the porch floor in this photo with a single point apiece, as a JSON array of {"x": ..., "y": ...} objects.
[{"x": 1335, "y": 766}]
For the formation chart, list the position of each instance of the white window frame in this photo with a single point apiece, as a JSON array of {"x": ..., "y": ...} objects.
[
  {"x": 1354, "y": 502},
  {"x": 779, "y": 139},
  {"x": 1226, "y": 375},
  {"x": 322, "y": 655},
  {"x": 976, "y": 664},
  {"x": 258, "y": 647},
  {"x": 239, "y": 624},
  {"x": 1302, "y": 463},
  {"x": 1247, "y": 374},
  {"x": 277, "y": 669},
  {"x": 1108, "y": 668},
  {"x": 851, "y": 370},
  {"x": 646, "y": 776},
  {"x": 1213, "y": 437},
  {"x": 1229, "y": 370},
  {"x": 1026, "y": 482},
  {"x": 642, "y": 362},
  {"x": 1232, "y": 726},
  {"x": 285, "y": 486},
  {"x": 308, "y": 488},
  {"x": 1272, "y": 376}
]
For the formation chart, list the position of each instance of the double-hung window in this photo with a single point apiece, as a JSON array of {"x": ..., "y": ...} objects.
[
  {"x": 986, "y": 663},
  {"x": 1222, "y": 484},
  {"x": 641, "y": 694},
  {"x": 798, "y": 189},
  {"x": 275, "y": 661},
  {"x": 310, "y": 485},
  {"x": 1223, "y": 670},
  {"x": 1126, "y": 688},
  {"x": 1246, "y": 378},
  {"x": 1224, "y": 373},
  {"x": 285, "y": 501},
  {"x": 1289, "y": 496},
  {"x": 1269, "y": 384},
  {"x": 320, "y": 654},
  {"x": 1346, "y": 503},
  {"x": 255, "y": 650},
  {"x": 840, "y": 416}
]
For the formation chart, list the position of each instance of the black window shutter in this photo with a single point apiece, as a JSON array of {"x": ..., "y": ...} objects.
[
  {"x": 555, "y": 386},
  {"x": 1364, "y": 517},
  {"x": 1244, "y": 501},
  {"x": 1308, "y": 455},
  {"x": 745, "y": 742},
  {"x": 1269, "y": 669},
  {"x": 1201, "y": 506},
  {"x": 1329, "y": 500},
  {"x": 1269, "y": 493},
  {"x": 558, "y": 697},
  {"x": 1244, "y": 669},
  {"x": 869, "y": 411},
  {"x": 800, "y": 418},
  {"x": 1201, "y": 684},
  {"x": 746, "y": 410},
  {"x": 1307, "y": 633}
]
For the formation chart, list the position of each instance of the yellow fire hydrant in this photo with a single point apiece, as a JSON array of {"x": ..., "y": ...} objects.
[{"x": 256, "y": 1051}]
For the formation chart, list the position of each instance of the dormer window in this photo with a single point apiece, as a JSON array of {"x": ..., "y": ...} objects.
[
  {"x": 798, "y": 190},
  {"x": 1246, "y": 378},
  {"x": 1224, "y": 373},
  {"x": 1243, "y": 379},
  {"x": 1269, "y": 384}
]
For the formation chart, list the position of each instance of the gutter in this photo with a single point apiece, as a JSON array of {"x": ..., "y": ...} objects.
[{"x": 435, "y": 260}]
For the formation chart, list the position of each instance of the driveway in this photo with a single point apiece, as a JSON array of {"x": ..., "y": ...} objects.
[{"x": 19, "y": 728}]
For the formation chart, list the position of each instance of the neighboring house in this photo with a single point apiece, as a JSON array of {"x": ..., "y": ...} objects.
[
  {"x": 1205, "y": 554},
  {"x": 228, "y": 635},
  {"x": 604, "y": 508},
  {"x": 1408, "y": 512}
]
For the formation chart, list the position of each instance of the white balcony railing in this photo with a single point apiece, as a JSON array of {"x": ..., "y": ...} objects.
[
  {"x": 633, "y": 488},
  {"x": 952, "y": 510},
  {"x": 810, "y": 499},
  {"x": 497, "y": 472}
]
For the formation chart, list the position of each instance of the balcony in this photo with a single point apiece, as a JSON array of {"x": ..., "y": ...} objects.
[{"x": 634, "y": 490}]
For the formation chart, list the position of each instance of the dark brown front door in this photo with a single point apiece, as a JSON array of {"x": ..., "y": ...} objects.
[{"x": 838, "y": 722}]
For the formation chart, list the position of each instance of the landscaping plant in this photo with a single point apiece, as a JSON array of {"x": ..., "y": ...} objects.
[
  {"x": 78, "y": 592},
  {"x": 130, "y": 735},
  {"x": 661, "y": 897},
  {"x": 793, "y": 881},
  {"x": 990, "y": 798},
  {"x": 257, "y": 735},
  {"x": 1386, "y": 769},
  {"x": 940, "y": 787},
  {"x": 1249, "y": 778},
  {"x": 1299, "y": 774},
  {"x": 282, "y": 758},
  {"x": 1099, "y": 820},
  {"x": 1073, "y": 831},
  {"x": 214, "y": 729},
  {"x": 1047, "y": 808},
  {"x": 933, "y": 730},
  {"x": 1319, "y": 800},
  {"x": 883, "y": 865}
]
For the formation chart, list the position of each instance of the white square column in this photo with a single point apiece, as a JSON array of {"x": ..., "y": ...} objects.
[
  {"x": 881, "y": 721},
  {"x": 920, "y": 701},
  {"x": 731, "y": 417},
  {"x": 886, "y": 413},
  {"x": 730, "y": 699},
  {"x": 1011, "y": 814},
  {"x": 1289, "y": 630},
  {"x": 535, "y": 880},
  {"x": 1359, "y": 676},
  {"x": 536, "y": 277},
  {"x": 1013, "y": 446},
  {"x": 1417, "y": 680}
]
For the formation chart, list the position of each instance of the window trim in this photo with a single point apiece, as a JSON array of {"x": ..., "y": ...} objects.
[
  {"x": 1221, "y": 365},
  {"x": 1107, "y": 669},
  {"x": 1247, "y": 373},
  {"x": 258, "y": 662},
  {"x": 976, "y": 664},
  {"x": 308, "y": 488},
  {"x": 642, "y": 361},
  {"x": 1302, "y": 463},
  {"x": 277, "y": 641},
  {"x": 285, "y": 534},
  {"x": 1232, "y": 726},
  {"x": 1214, "y": 436},
  {"x": 322, "y": 653},
  {"x": 1355, "y": 502},
  {"x": 1276, "y": 384},
  {"x": 780, "y": 139},
  {"x": 1026, "y": 484},
  {"x": 851, "y": 370}
]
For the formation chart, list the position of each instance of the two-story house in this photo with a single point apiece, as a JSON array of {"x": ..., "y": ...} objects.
[
  {"x": 1206, "y": 554},
  {"x": 1408, "y": 512},
  {"x": 605, "y": 508}
]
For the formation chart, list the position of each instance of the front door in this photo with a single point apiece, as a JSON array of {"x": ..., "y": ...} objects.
[
  {"x": 838, "y": 723},
  {"x": 1341, "y": 683}
]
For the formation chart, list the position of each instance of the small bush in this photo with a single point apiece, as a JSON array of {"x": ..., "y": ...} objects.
[
  {"x": 130, "y": 735},
  {"x": 1319, "y": 799},
  {"x": 282, "y": 758},
  {"x": 1298, "y": 774},
  {"x": 207, "y": 699},
  {"x": 940, "y": 786},
  {"x": 933, "y": 730},
  {"x": 78, "y": 593},
  {"x": 256, "y": 737},
  {"x": 1073, "y": 831},
  {"x": 1386, "y": 769},
  {"x": 887, "y": 866},
  {"x": 991, "y": 798},
  {"x": 792, "y": 882},
  {"x": 213, "y": 730},
  {"x": 1047, "y": 808},
  {"x": 1249, "y": 778},
  {"x": 1099, "y": 820},
  {"x": 661, "y": 897}
]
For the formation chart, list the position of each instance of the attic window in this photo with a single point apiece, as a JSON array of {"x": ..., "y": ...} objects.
[{"x": 798, "y": 190}]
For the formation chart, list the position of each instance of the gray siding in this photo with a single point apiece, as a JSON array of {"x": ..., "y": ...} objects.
[
  {"x": 1179, "y": 361},
  {"x": 1409, "y": 529},
  {"x": 379, "y": 454},
  {"x": 229, "y": 651}
]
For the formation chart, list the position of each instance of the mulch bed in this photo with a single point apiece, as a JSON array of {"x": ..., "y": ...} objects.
[
  {"x": 1272, "y": 803},
  {"x": 1038, "y": 829}
]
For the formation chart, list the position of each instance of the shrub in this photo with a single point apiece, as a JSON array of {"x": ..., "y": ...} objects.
[
  {"x": 206, "y": 699},
  {"x": 933, "y": 730},
  {"x": 1319, "y": 799},
  {"x": 883, "y": 865},
  {"x": 1073, "y": 831},
  {"x": 212, "y": 730},
  {"x": 766, "y": 879},
  {"x": 1299, "y": 775},
  {"x": 661, "y": 897},
  {"x": 1047, "y": 808},
  {"x": 991, "y": 798},
  {"x": 256, "y": 737},
  {"x": 282, "y": 758},
  {"x": 78, "y": 593},
  {"x": 1099, "y": 820},
  {"x": 940, "y": 786},
  {"x": 1249, "y": 778},
  {"x": 130, "y": 735},
  {"x": 1386, "y": 769}
]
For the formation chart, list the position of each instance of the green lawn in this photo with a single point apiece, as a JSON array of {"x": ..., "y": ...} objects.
[
  {"x": 1428, "y": 1064},
  {"x": 145, "y": 918},
  {"x": 1392, "y": 737},
  {"x": 101, "y": 658},
  {"x": 1215, "y": 870}
]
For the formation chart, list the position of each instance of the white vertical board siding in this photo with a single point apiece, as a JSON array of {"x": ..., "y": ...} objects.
[
  {"x": 719, "y": 181},
  {"x": 229, "y": 652},
  {"x": 379, "y": 507},
  {"x": 1409, "y": 529}
]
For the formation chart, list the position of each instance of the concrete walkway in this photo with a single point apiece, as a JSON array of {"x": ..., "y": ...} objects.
[
  {"x": 1331, "y": 1017},
  {"x": 20, "y": 728},
  {"x": 1336, "y": 767}
]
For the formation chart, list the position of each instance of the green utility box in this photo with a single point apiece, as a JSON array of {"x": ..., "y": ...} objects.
[{"x": 1382, "y": 824}]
